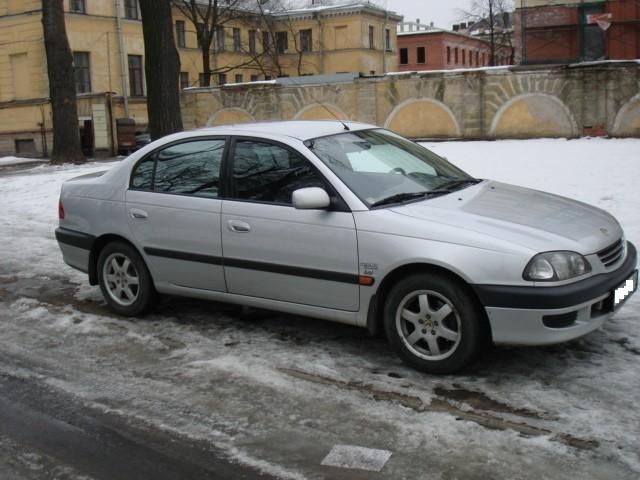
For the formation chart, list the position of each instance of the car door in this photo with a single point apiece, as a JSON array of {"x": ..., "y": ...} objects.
[
  {"x": 174, "y": 212},
  {"x": 274, "y": 251}
]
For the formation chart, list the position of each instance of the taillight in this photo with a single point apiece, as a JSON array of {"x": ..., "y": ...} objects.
[{"x": 60, "y": 210}]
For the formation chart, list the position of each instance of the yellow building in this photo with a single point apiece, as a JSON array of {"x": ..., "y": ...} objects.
[{"x": 106, "y": 39}]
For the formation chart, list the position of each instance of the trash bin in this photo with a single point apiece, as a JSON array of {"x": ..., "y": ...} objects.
[{"x": 126, "y": 131}]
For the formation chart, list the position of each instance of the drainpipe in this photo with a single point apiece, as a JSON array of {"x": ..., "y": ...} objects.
[{"x": 123, "y": 63}]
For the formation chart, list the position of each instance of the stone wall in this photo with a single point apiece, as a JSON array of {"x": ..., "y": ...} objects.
[{"x": 509, "y": 102}]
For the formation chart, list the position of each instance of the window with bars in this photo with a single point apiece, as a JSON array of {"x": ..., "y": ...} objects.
[
  {"x": 136, "y": 78},
  {"x": 131, "y": 10},
  {"x": 82, "y": 72},
  {"x": 181, "y": 37},
  {"x": 77, "y": 6}
]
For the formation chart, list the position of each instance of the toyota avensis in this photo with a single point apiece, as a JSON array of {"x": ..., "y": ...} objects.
[{"x": 351, "y": 223}]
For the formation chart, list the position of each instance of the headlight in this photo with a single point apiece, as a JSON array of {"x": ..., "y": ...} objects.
[{"x": 556, "y": 266}]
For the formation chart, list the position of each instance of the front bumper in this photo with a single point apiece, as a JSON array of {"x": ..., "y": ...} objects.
[{"x": 547, "y": 315}]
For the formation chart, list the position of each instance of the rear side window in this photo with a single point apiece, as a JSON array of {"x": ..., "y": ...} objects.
[
  {"x": 269, "y": 173},
  {"x": 190, "y": 168}
]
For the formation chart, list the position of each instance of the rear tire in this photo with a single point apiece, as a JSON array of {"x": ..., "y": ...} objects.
[
  {"x": 124, "y": 279},
  {"x": 433, "y": 323}
]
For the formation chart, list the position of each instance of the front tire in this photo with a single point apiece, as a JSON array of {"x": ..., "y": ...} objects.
[
  {"x": 124, "y": 280},
  {"x": 433, "y": 323}
]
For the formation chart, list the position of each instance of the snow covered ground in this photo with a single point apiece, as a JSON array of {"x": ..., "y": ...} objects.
[
  {"x": 279, "y": 392},
  {"x": 11, "y": 161}
]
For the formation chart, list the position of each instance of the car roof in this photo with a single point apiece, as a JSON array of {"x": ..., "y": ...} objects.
[{"x": 299, "y": 129}]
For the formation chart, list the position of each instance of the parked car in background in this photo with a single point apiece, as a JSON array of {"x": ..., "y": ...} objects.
[{"x": 351, "y": 223}]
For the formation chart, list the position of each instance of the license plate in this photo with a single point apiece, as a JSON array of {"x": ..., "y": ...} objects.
[{"x": 624, "y": 291}]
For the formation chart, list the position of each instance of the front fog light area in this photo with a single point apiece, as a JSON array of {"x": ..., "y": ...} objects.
[{"x": 556, "y": 266}]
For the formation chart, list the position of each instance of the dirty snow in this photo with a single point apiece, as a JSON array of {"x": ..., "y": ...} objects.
[
  {"x": 278, "y": 392},
  {"x": 10, "y": 161}
]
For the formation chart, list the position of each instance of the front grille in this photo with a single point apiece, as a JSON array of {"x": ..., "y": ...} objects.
[
  {"x": 563, "y": 320},
  {"x": 612, "y": 254}
]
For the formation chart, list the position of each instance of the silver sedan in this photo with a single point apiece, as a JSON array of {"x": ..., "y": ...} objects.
[{"x": 351, "y": 223}]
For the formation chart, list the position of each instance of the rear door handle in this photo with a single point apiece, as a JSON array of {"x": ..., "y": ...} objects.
[
  {"x": 139, "y": 214},
  {"x": 238, "y": 226}
]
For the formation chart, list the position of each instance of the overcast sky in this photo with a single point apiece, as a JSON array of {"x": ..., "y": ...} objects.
[{"x": 441, "y": 12}]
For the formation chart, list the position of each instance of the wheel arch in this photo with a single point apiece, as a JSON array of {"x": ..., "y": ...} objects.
[
  {"x": 376, "y": 305},
  {"x": 99, "y": 243}
]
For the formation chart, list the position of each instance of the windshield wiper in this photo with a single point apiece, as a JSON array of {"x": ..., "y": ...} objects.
[
  {"x": 458, "y": 183},
  {"x": 404, "y": 197}
]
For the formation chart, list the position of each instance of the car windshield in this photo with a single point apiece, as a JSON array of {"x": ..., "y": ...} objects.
[{"x": 382, "y": 168}]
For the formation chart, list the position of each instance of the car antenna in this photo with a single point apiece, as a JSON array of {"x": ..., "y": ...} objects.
[{"x": 313, "y": 97}]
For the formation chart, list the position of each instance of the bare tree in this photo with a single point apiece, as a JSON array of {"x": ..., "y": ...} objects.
[
  {"x": 209, "y": 18},
  {"x": 62, "y": 85},
  {"x": 162, "y": 66},
  {"x": 494, "y": 17}
]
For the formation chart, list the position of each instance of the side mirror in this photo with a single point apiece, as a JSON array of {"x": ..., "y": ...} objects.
[{"x": 312, "y": 198}]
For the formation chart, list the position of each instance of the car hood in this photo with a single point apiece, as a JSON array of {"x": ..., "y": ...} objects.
[{"x": 537, "y": 220}]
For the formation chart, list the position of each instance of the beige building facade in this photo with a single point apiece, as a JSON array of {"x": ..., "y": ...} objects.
[{"x": 106, "y": 39}]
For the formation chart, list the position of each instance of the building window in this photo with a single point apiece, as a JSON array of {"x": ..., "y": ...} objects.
[
  {"x": 387, "y": 40},
  {"x": 306, "y": 40},
  {"x": 282, "y": 42},
  {"x": 266, "y": 41},
  {"x": 464, "y": 57},
  {"x": 77, "y": 6},
  {"x": 455, "y": 55},
  {"x": 448, "y": 54},
  {"x": 131, "y": 9},
  {"x": 372, "y": 37},
  {"x": 201, "y": 80},
  {"x": 422, "y": 55},
  {"x": 239, "y": 78},
  {"x": 199, "y": 34},
  {"x": 237, "y": 40},
  {"x": 404, "y": 56},
  {"x": 220, "y": 40},
  {"x": 181, "y": 40},
  {"x": 82, "y": 72},
  {"x": 254, "y": 77},
  {"x": 222, "y": 78},
  {"x": 252, "y": 41},
  {"x": 184, "y": 80},
  {"x": 477, "y": 59},
  {"x": 136, "y": 79}
]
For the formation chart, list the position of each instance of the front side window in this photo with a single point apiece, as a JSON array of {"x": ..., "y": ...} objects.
[
  {"x": 82, "y": 72},
  {"x": 190, "y": 168},
  {"x": 378, "y": 165},
  {"x": 266, "y": 172}
]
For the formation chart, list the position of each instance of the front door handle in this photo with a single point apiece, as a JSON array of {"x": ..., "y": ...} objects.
[
  {"x": 138, "y": 214},
  {"x": 238, "y": 226}
]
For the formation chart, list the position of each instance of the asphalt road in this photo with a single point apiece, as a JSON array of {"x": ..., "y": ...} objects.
[{"x": 57, "y": 431}]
